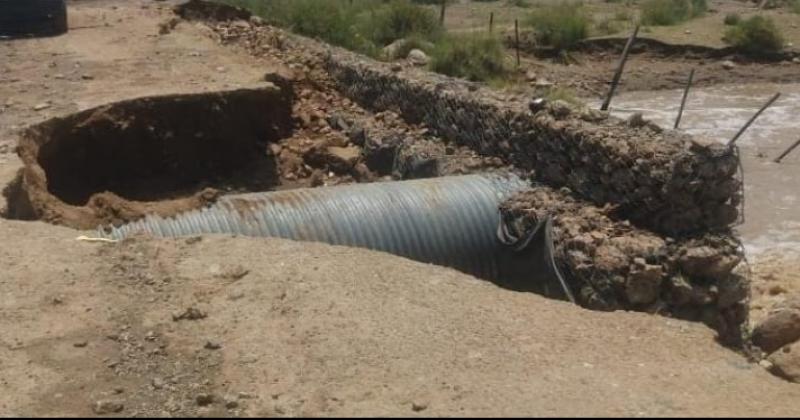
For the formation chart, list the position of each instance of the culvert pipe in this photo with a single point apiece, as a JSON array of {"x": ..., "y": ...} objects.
[{"x": 449, "y": 221}]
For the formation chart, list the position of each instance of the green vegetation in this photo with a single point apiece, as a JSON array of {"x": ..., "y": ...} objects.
[
  {"x": 560, "y": 25},
  {"x": 473, "y": 57},
  {"x": 732, "y": 19},
  {"x": 364, "y": 26},
  {"x": 795, "y": 6},
  {"x": 756, "y": 35},
  {"x": 397, "y": 20},
  {"x": 671, "y": 12},
  {"x": 563, "y": 94}
]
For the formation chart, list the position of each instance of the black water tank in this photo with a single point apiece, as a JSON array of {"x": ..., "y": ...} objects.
[{"x": 21, "y": 18}]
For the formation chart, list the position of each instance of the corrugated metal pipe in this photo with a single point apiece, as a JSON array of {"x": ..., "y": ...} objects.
[{"x": 449, "y": 221}]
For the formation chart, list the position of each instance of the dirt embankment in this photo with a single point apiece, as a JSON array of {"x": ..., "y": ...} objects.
[
  {"x": 252, "y": 327},
  {"x": 652, "y": 65}
]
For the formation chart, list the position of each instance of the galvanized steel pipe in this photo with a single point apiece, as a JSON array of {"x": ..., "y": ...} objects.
[{"x": 450, "y": 221}]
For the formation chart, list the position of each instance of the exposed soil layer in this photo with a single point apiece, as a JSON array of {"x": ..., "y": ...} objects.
[
  {"x": 611, "y": 265},
  {"x": 162, "y": 154}
]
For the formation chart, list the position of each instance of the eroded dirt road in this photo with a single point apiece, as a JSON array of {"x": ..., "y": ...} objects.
[{"x": 235, "y": 326}]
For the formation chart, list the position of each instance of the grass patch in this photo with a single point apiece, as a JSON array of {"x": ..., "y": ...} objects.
[
  {"x": 399, "y": 19},
  {"x": 472, "y": 57},
  {"x": 563, "y": 94},
  {"x": 755, "y": 36},
  {"x": 732, "y": 19},
  {"x": 560, "y": 25},
  {"x": 671, "y": 12},
  {"x": 364, "y": 26}
]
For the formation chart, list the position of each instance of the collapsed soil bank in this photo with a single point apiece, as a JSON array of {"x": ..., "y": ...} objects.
[{"x": 163, "y": 155}]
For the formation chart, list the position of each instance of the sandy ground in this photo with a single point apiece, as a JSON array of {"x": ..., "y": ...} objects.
[{"x": 285, "y": 328}]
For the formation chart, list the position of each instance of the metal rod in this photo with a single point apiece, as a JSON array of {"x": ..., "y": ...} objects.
[
  {"x": 683, "y": 101},
  {"x": 753, "y": 118},
  {"x": 491, "y": 21},
  {"x": 620, "y": 68},
  {"x": 789, "y": 150},
  {"x": 516, "y": 36}
]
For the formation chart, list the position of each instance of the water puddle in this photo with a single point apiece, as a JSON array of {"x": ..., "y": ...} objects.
[{"x": 772, "y": 206}]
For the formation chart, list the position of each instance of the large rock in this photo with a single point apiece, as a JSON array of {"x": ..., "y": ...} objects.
[
  {"x": 343, "y": 158},
  {"x": 418, "y": 57},
  {"x": 779, "y": 329},
  {"x": 644, "y": 282},
  {"x": 707, "y": 262},
  {"x": 786, "y": 362}
]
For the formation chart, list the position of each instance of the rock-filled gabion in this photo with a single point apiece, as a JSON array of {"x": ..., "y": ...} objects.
[
  {"x": 611, "y": 264},
  {"x": 662, "y": 180}
]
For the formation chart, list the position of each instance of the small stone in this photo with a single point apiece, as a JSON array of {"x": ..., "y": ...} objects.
[
  {"x": 530, "y": 76},
  {"x": 543, "y": 83},
  {"x": 796, "y": 60},
  {"x": 212, "y": 345},
  {"x": 41, "y": 106},
  {"x": 560, "y": 109},
  {"x": 637, "y": 120},
  {"x": 537, "y": 105},
  {"x": 396, "y": 67},
  {"x": 644, "y": 283},
  {"x": 158, "y": 383},
  {"x": 418, "y": 57},
  {"x": 231, "y": 402},
  {"x": 418, "y": 406},
  {"x": 728, "y": 65},
  {"x": 221, "y": 69},
  {"x": 191, "y": 314},
  {"x": 245, "y": 396},
  {"x": 119, "y": 390},
  {"x": 193, "y": 240},
  {"x": 204, "y": 399},
  {"x": 81, "y": 344},
  {"x": 256, "y": 20},
  {"x": 107, "y": 407},
  {"x": 87, "y": 77}
]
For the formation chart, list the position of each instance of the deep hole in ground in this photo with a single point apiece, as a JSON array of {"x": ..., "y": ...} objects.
[{"x": 163, "y": 155}]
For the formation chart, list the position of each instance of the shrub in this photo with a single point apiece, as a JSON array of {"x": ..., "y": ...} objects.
[
  {"x": 671, "y": 12},
  {"x": 399, "y": 19},
  {"x": 756, "y": 35},
  {"x": 607, "y": 27},
  {"x": 472, "y": 57},
  {"x": 561, "y": 25},
  {"x": 732, "y": 19},
  {"x": 519, "y": 3}
]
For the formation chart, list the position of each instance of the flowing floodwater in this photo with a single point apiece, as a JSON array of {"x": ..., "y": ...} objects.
[{"x": 772, "y": 206}]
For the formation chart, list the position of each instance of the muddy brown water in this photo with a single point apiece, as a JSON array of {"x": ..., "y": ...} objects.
[{"x": 772, "y": 207}]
